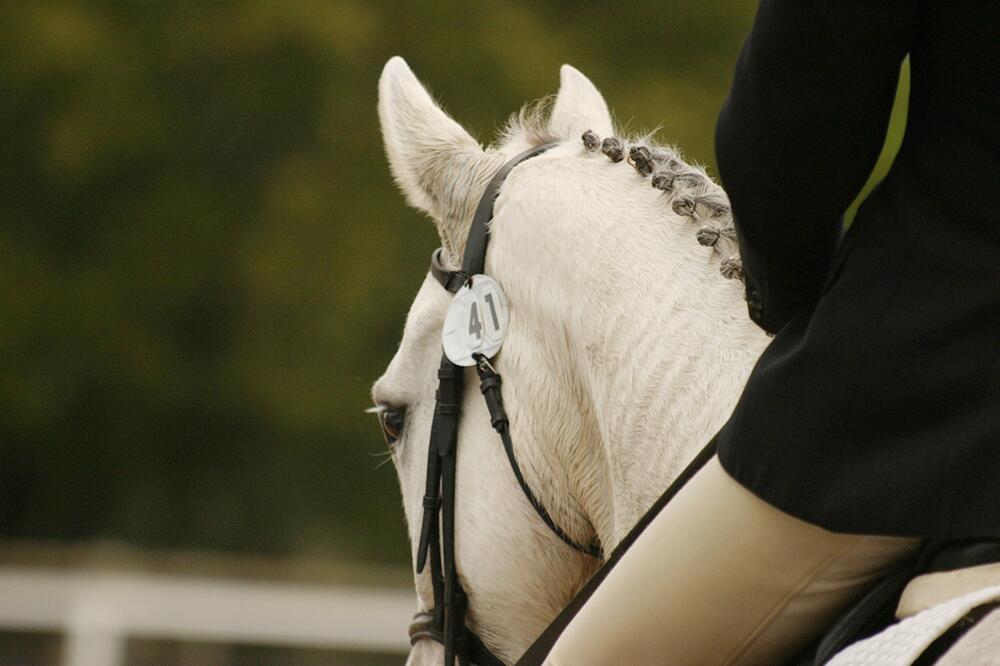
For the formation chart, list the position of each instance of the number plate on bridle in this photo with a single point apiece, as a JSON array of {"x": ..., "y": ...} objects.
[{"x": 476, "y": 321}]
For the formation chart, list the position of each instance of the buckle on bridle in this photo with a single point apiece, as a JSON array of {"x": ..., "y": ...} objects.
[{"x": 483, "y": 364}]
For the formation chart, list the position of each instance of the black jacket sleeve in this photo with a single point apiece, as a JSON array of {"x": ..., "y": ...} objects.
[{"x": 800, "y": 132}]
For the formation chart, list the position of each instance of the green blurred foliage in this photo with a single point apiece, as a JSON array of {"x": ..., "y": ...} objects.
[{"x": 204, "y": 262}]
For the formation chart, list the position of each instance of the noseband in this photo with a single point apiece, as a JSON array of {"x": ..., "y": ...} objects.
[{"x": 446, "y": 622}]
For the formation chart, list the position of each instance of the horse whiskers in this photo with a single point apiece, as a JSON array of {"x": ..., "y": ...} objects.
[{"x": 386, "y": 456}]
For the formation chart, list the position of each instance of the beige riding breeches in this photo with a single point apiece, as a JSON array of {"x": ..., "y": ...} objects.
[{"x": 722, "y": 577}]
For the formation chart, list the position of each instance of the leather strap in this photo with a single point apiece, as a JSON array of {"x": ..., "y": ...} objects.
[
  {"x": 474, "y": 258},
  {"x": 450, "y": 280},
  {"x": 423, "y": 628},
  {"x": 490, "y": 388},
  {"x": 540, "y": 649},
  {"x": 446, "y": 623},
  {"x": 475, "y": 247}
]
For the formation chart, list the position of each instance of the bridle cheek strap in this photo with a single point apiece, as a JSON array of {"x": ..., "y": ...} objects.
[{"x": 446, "y": 622}]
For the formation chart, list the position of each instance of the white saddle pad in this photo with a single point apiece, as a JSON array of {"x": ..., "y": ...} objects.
[
  {"x": 902, "y": 643},
  {"x": 930, "y": 589}
]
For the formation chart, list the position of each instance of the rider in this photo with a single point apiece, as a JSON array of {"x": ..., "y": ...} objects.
[{"x": 872, "y": 421}]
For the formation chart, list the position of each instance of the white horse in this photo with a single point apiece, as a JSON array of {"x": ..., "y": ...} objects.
[{"x": 626, "y": 351}]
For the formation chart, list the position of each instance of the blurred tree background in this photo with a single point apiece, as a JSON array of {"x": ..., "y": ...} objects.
[{"x": 204, "y": 262}]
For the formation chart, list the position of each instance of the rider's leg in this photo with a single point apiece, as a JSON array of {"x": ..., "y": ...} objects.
[{"x": 722, "y": 577}]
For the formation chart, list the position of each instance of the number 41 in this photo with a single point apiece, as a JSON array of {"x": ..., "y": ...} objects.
[{"x": 475, "y": 325}]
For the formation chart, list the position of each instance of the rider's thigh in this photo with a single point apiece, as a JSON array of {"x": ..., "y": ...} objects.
[{"x": 722, "y": 577}]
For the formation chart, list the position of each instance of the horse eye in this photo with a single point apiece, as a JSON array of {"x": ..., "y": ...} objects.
[{"x": 391, "y": 420}]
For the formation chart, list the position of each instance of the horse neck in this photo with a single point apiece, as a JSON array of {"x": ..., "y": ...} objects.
[
  {"x": 625, "y": 301},
  {"x": 666, "y": 349}
]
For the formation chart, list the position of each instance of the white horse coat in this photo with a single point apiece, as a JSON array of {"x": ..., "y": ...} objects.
[{"x": 626, "y": 349}]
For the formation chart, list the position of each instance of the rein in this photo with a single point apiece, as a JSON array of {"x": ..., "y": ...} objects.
[{"x": 446, "y": 622}]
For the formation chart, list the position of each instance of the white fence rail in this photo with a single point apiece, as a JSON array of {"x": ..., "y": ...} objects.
[{"x": 98, "y": 612}]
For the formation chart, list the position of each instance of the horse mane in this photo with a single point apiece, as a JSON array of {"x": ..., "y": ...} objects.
[{"x": 687, "y": 188}]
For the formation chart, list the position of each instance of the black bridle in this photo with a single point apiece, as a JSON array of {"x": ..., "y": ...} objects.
[{"x": 446, "y": 622}]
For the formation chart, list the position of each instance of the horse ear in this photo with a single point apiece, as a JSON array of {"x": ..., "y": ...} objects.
[
  {"x": 430, "y": 155},
  {"x": 579, "y": 107}
]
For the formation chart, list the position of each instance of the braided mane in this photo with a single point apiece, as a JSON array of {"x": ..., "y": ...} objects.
[
  {"x": 690, "y": 191},
  {"x": 687, "y": 188}
]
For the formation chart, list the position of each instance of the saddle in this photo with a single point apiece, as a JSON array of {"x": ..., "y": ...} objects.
[{"x": 940, "y": 570}]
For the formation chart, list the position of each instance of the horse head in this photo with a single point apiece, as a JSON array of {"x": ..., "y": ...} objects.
[{"x": 625, "y": 349}]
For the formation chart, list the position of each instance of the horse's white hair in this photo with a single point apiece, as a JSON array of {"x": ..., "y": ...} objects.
[
  {"x": 626, "y": 346},
  {"x": 626, "y": 349}
]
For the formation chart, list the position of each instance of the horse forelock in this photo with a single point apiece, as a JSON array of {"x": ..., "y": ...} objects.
[{"x": 529, "y": 126}]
